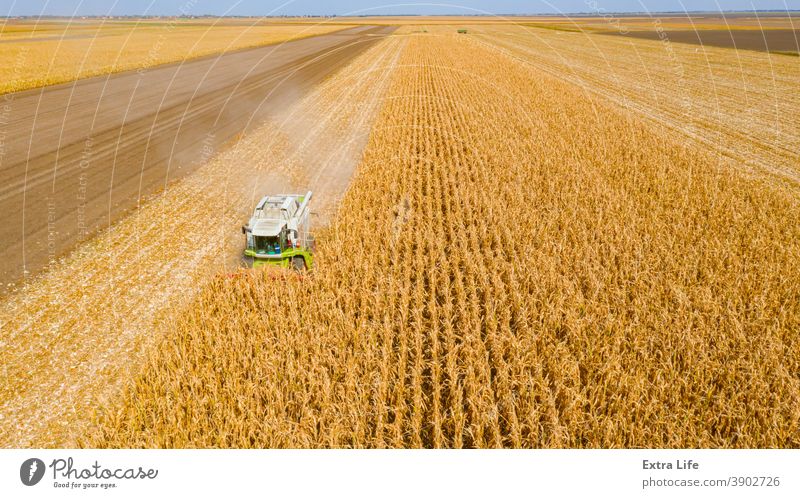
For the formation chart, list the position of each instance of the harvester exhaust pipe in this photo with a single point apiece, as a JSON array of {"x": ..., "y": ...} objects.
[{"x": 304, "y": 205}]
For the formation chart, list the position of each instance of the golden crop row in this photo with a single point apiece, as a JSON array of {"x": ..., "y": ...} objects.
[{"x": 515, "y": 265}]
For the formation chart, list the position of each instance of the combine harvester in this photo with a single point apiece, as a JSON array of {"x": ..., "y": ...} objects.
[{"x": 277, "y": 234}]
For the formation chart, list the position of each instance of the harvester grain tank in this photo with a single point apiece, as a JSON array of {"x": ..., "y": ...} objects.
[{"x": 278, "y": 232}]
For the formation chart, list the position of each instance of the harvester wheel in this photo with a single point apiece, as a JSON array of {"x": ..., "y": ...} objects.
[{"x": 298, "y": 263}]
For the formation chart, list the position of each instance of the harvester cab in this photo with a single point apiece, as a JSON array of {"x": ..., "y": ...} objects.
[{"x": 278, "y": 233}]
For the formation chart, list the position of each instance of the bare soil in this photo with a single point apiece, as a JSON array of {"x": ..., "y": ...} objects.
[
  {"x": 74, "y": 158},
  {"x": 768, "y": 40}
]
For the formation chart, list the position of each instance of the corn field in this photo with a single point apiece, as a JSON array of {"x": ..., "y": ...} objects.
[{"x": 516, "y": 264}]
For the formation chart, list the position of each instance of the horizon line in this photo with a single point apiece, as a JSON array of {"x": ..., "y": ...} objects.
[{"x": 529, "y": 14}]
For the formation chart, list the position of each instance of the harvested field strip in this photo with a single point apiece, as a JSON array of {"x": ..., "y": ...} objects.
[
  {"x": 515, "y": 265},
  {"x": 739, "y": 105},
  {"x": 75, "y": 335}
]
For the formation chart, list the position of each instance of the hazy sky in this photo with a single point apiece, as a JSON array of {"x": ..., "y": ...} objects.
[{"x": 366, "y": 7}]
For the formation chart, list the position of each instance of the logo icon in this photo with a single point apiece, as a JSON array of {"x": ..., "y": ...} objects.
[{"x": 31, "y": 471}]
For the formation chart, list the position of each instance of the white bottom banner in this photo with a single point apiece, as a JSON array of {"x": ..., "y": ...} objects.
[{"x": 381, "y": 473}]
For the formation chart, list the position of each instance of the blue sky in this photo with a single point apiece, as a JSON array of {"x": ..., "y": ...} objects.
[{"x": 364, "y": 7}]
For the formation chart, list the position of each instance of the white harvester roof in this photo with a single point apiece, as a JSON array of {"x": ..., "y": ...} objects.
[{"x": 274, "y": 212}]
